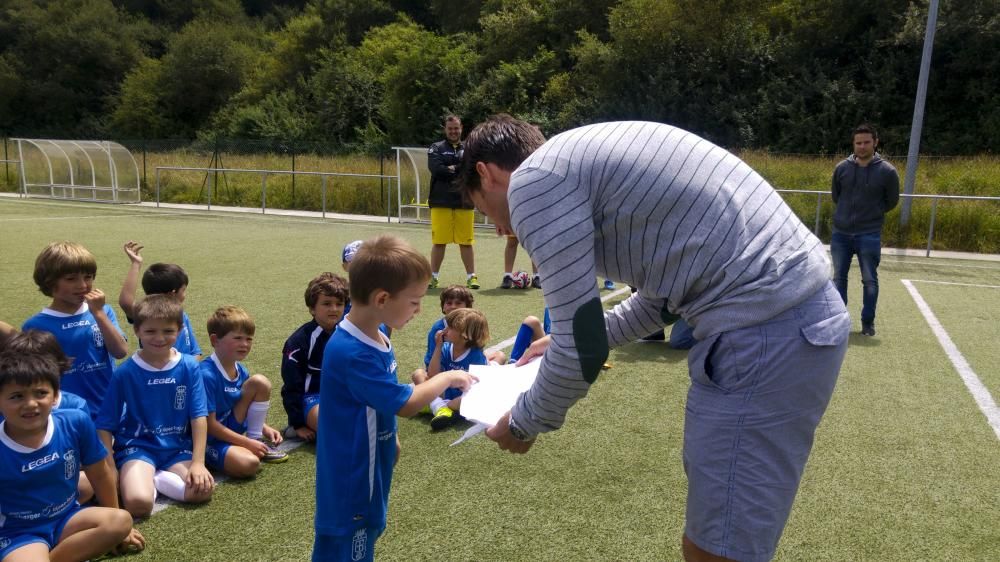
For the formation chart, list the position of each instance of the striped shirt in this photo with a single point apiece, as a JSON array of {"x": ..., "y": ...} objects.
[{"x": 693, "y": 227}]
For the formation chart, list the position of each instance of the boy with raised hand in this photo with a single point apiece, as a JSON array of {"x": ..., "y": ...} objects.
[
  {"x": 237, "y": 401},
  {"x": 357, "y": 445},
  {"x": 302, "y": 357},
  {"x": 159, "y": 279},
  {"x": 155, "y": 410},
  {"x": 85, "y": 327},
  {"x": 41, "y": 454}
]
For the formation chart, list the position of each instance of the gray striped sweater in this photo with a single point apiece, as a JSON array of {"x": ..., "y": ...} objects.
[{"x": 693, "y": 227}]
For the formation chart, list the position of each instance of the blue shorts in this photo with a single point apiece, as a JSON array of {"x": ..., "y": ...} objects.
[
  {"x": 309, "y": 401},
  {"x": 46, "y": 533},
  {"x": 160, "y": 461},
  {"x": 359, "y": 547},
  {"x": 215, "y": 455},
  {"x": 756, "y": 397}
]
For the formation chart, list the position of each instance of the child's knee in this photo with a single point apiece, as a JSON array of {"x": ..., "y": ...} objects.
[
  {"x": 533, "y": 322},
  {"x": 419, "y": 376},
  {"x": 243, "y": 466},
  {"x": 138, "y": 506},
  {"x": 259, "y": 382},
  {"x": 119, "y": 523}
]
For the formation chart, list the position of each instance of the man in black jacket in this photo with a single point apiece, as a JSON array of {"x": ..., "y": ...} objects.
[
  {"x": 865, "y": 188},
  {"x": 451, "y": 217}
]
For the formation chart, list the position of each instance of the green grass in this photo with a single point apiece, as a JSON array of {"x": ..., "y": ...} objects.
[{"x": 904, "y": 466}]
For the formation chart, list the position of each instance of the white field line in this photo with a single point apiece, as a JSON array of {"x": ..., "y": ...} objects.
[
  {"x": 952, "y": 284},
  {"x": 162, "y": 502},
  {"x": 83, "y": 217},
  {"x": 979, "y": 392}
]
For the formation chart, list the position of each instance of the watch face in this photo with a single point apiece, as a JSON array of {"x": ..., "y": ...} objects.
[{"x": 517, "y": 432}]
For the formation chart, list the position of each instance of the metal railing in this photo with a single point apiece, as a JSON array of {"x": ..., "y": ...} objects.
[
  {"x": 934, "y": 201},
  {"x": 324, "y": 178}
]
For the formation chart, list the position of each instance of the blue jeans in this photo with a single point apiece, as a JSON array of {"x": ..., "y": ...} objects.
[{"x": 868, "y": 248}]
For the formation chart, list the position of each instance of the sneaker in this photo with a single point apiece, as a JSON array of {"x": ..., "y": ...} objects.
[
  {"x": 472, "y": 283},
  {"x": 273, "y": 455},
  {"x": 536, "y": 282},
  {"x": 507, "y": 283},
  {"x": 433, "y": 284},
  {"x": 443, "y": 418},
  {"x": 868, "y": 328},
  {"x": 289, "y": 433},
  {"x": 609, "y": 285},
  {"x": 655, "y": 336}
]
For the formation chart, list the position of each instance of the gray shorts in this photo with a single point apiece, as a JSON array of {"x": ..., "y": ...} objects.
[{"x": 756, "y": 397}]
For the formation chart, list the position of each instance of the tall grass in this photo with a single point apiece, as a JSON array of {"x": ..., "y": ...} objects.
[{"x": 972, "y": 226}]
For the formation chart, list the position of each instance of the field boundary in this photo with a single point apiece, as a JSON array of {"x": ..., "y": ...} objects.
[{"x": 984, "y": 400}]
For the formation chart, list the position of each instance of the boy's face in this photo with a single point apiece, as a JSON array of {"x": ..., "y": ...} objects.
[
  {"x": 70, "y": 289},
  {"x": 452, "y": 335},
  {"x": 397, "y": 310},
  {"x": 453, "y": 304},
  {"x": 157, "y": 336},
  {"x": 27, "y": 407},
  {"x": 327, "y": 312},
  {"x": 234, "y": 346}
]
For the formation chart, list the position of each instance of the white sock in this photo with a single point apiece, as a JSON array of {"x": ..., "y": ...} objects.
[
  {"x": 508, "y": 274},
  {"x": 437, "y": 404},
  {"x": 470, "y": 275},
  {"x": 169, "y": 484},
  {"x": 155, "y": 493},
  {"x": 434, "y": 274},
  {"x": 256, "y": 414}
]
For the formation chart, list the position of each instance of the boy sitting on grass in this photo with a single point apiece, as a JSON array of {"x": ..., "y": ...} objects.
[
  {"x": 357, "y": 444},
  {"x": 302, "y": 357},
  {"x": 41, "y": 454},
  {"x": 237, "y": 402},
  {"x": 155, "y": 411},
  {"x": 458, "y": 346},
  {"x": 159, "y": 279},
  {"x": 84, "y": 326}
]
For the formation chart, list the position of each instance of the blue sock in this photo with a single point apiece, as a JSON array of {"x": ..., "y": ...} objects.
[{"x": 521, "y": 342}]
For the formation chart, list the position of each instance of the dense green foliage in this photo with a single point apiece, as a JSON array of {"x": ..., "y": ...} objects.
[{"x": 787, "y": 75}]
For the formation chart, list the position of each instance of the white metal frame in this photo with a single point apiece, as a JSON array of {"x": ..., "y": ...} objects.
[{"x": 130, "y": 194}]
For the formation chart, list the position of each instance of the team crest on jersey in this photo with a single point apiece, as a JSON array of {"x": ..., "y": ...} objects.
[
  {"x": 69, "y": 464},
  {"x": 359, "y": 545},
  {"x": 98, "y": 336},
  {"x": 180, "y": 398},
  {"x": 4, "y": 543}
]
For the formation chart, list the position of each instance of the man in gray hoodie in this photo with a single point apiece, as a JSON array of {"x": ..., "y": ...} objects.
[{"x": 865, "y": 188}]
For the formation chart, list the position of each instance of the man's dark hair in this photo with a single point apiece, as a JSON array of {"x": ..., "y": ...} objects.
[
  {"x": 865, "y": 128},
  {"x": 163, "y": 278},
  {"x": 452, "y": 117},
  {"x": 501, "y": 140}
]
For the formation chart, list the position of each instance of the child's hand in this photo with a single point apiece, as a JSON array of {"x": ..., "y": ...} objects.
[
  {"x": 95, "y": 301},
  {"x": 272, "y": 435},
  {"x": 200, "y": 479},
  {"x": 134, "y": 542},
  {"x": 305, "y": 433},
  {"x": 132, "y": 250},
  {"x": 438, "y": 338},
  {"x": 258, "y": 448},
  {"x": 461, "y": 380},
  {"x": 536, "y": 349}
]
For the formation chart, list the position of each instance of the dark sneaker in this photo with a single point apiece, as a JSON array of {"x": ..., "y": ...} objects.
[
  {"x": 444, "y": 418},
  {"x": 507, "y": 283},
  {"x": 536, "y": 282},
  {"x": 868, "y": 328},
  {"x": 655, "y": 336}
]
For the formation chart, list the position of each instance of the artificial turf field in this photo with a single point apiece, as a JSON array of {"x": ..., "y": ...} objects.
[{"x": 906, "y": 465}]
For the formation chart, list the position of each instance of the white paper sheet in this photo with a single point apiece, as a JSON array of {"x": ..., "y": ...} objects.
[{"x": 495, "y": 393}]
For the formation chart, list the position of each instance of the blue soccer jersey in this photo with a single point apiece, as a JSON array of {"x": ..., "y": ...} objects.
[
  {"x": 472, "y": 356},
  {"x": 81, "y": 339},
  {"x": 69, "y": 401},
  {"x": 356, "y": 441},
  {"x": 222, "y": 393},
  {"x": 437, "y": 327},
  {"x": 39, "y": 485},
  {"x": 152, "y": 408}
]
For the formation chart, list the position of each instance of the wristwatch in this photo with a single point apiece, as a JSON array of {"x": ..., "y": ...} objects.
[{"x": 517, "y": 432}]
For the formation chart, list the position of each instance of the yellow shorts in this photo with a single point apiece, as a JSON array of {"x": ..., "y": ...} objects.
[{"x": 451, "y": 226}]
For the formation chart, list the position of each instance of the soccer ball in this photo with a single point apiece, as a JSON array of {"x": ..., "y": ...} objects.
[{"x": 521, "y": 279}]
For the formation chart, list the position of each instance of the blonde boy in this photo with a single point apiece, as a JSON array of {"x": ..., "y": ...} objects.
[
  {"x": 237, "y": 401},
  {"x": 155, "y": 411},
  {"x": 357, "y": 444},
  {"x": 85, "y": 327}
]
